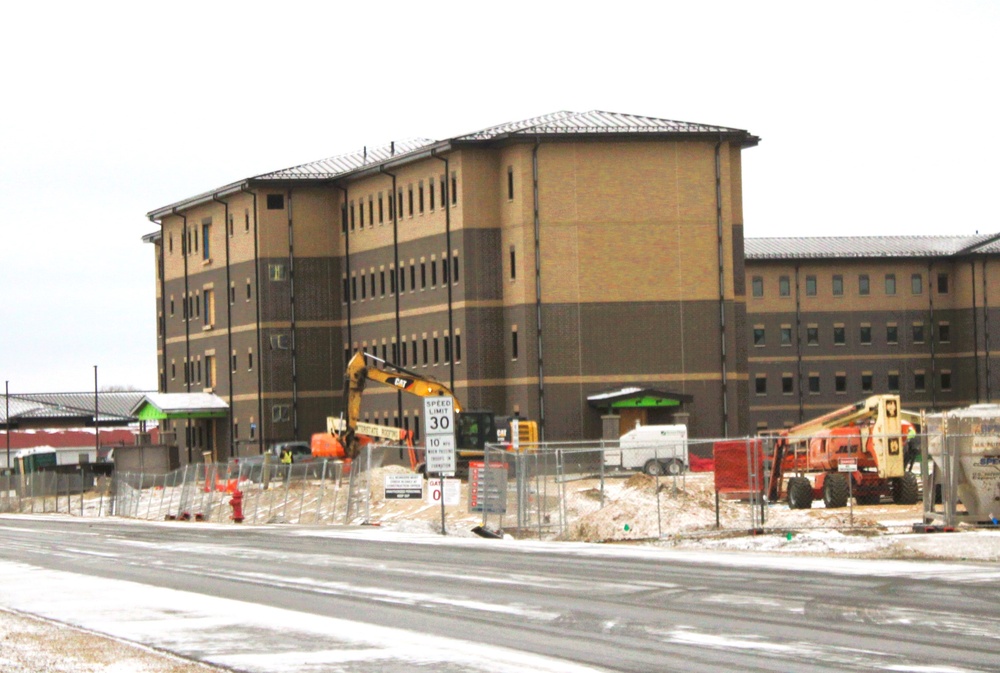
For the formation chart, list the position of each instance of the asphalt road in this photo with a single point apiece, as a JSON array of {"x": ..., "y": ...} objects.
[{"x": 495, "y": 605}]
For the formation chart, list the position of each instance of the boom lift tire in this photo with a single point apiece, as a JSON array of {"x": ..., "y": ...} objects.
[
  {"x": 800, "y": 493},
  {"x": 653, "y": 468},
  {"x": 905, "y": 490},
  {"x": 835, "y": 490}
]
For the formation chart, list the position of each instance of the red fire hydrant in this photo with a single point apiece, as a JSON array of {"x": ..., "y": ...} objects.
[{"x": 236, "y": 502}]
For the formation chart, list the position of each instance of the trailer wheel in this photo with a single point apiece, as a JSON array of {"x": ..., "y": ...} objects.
[
  {"x": 653, "y": 468},
  {"x": 800, "y": 493},
  {"x": 675, "y": 467},
  {"x": 905, "y": 489},
  {"x": 835, "y": 490}
]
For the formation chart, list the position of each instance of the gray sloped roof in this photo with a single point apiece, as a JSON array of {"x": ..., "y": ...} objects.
[
  {"x": 40, "y": 407},
  {"x": 341, "y": 164},
  {"x": 561, "y": 124},
  {"x": 840, "y": 247},
  {"x": 596, "y": 122}
]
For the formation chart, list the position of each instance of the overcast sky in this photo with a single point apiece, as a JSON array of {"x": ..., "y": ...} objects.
[{"x": 875, "y": 118}]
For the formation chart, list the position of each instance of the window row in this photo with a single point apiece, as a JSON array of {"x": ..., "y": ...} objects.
[
  {"x": 866, "y": 380},
  {"x": 838, "y": 335},
  {"x": 190, "y": 235},
  {"x": 412, "y": 351},
  {"x": 192, "y": 305},
  {"x": 417, "y": 274},
  {"x": 382, "y": 207},
  {"x": 863, "y": 287}
]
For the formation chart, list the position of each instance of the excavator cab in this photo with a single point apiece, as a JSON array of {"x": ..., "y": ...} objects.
[{"x": 475, "y": 429}]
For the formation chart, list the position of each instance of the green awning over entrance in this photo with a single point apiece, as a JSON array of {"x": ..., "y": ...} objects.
[
  {"x": 637, "y": 398},
  {"x": 170, "y": 406}
]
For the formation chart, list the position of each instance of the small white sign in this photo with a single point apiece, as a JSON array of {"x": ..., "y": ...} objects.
[
  {"x": 452, "y": 492},
  {"x": 847, "y": 465},
  {"x": 403, "y": 487}
]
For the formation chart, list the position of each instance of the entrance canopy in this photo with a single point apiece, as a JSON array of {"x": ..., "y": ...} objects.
[
  {"x": 637, "y": 398},
  {"x": 170, "y": 406}
]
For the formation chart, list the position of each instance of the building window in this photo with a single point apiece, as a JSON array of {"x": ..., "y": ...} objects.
[
  {"x": 839, "y": 335},
  {"x": 361, "y": 214},
  {"x": 434, "y": 273},
  {"x": 447, "y": 341},
  {"x": 757, "y": 286},
  {"x": 381, "y": 209},
  {"x": 444, "y": 267},
  {"x": 786, "y": 335},
  {"x": 513, "y": 263},
  {"x": 246, "y": 219},
  {"x": 787, "y": 387},
  {"x": 813, "y": 383},
  {"x": 945, "y": 380},
  {"x": 354, "y": 288},
  {"x": 392, "y": 281},
  {"x": 371, "y": 212},
  {"x": 423, "y": 275},
  {"x": 812, "y": 335},
  {"x": 454, "y": 187},
  {"x": 454, "y": 268},
  {"x": 810, "y": 286},
  {"x": 171, "y": 306},
  {"x": 420, "y": 194},
  {"x": 944, "y": 332},
  {"x": 436, "y": 352},
  {"x": 209, "y": 300},
  {"x": 424, "y": 349},
  {"x": 413, "y": 276},
  {"x": 864, "y": 287},
  {"x": 840, "y": 382},
  {"x": 364, "y": 288},
  {"x": 510, "y": 183},
  {"x": 281, "y": 413},
  {"x": 205, "y": 229},
  {"x": 275, "y": 201},
  {"x": 758, "y": 335},
  {"x": 277, "y": 272},
  {"x": 784, "y": 287},
  {"x": 430, "y": 192},
  {"x": 234, "y": 362},
  {"x": 760, "y": 384},
  {"x": 371, "y": 278},
  {"x": 402, "y": 278},
  {"x": 942, "y": 283},
  {"x": 232, "y": 293},
  {"x": 891, "y": 333},
  {"x": 865, "y": 334},
  {"x": 279, "y": 342},
  {"x": 409, "y": 191},
  {"x": 838, "y": 285},
  {"x": 209, "y": 371},
  {"x": 248, "y": 290},
  {"x": 250, "y": 360},
  {"x": 892, "y": 381},
  {"x": 513, "y": 344},
  {"x": 458, "y": 348},
  {"x": 918, "y": 332},
  {"x": 866, "y": 382},
  {"x": 413, "y": 350},
  {"x": 919, "y": 381},
  {"x": 381, "y": 282},
  {"x": 890, "y": 284},
  {"x": 917, "y": 284}
]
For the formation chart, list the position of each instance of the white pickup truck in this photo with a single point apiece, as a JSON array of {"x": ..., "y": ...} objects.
[{"x": 654, "y": 449}]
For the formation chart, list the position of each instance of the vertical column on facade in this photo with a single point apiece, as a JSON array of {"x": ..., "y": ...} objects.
[
  {"x": 719, "y": 220},
  {"x": 260, "y": 353},
  {"x": 229, "y": 322},
  {"x": 975, "y": 327},
  {"x": 291, "y": 303},
  {"x": 798, "y": 346},
  {"x": 447, "y": 261},
  {"x": 538, "y": 291},
  {"x": 986, "y": 334},
  {"x": 931, "y": 286}
]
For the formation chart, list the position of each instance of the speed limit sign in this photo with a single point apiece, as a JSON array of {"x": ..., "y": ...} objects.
[{"x": 439, "y": 433}]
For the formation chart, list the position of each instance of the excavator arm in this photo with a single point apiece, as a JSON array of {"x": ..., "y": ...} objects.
[{"x": 358, "y": 375}]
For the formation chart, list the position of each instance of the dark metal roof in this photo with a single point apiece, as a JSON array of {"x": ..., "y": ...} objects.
[
  {"x": 840, "y": 247},
  {"x": 556, "y": 124}
]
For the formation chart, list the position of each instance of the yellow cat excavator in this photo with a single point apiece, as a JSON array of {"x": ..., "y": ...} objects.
[{"x": 474, "y": 429}]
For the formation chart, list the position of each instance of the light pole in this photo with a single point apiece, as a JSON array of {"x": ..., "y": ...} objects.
[
  {"x": 97, "y": 427},
  {"x": 6, "y": 418}
]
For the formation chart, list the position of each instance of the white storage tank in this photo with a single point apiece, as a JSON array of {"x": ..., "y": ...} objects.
[{"x": 965, "y": 446}]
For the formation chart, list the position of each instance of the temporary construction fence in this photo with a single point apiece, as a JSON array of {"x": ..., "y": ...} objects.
[{"x": 572, "y": 490}]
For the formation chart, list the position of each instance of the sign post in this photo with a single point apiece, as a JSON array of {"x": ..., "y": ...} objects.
[
  {"x": 849, "y": 465},
  {"x": 439, "y": 440}
]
